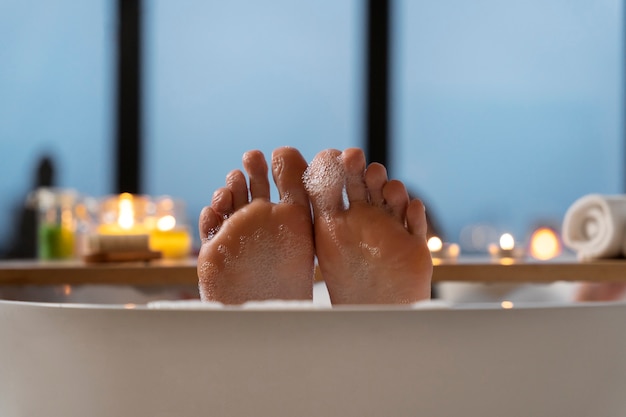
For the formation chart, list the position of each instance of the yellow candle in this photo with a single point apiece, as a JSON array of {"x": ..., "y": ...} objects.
[{"x": 173, "y": 243}]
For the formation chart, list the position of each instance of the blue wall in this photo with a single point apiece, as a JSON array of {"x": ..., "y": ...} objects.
[{"x": 56, "y": 91}]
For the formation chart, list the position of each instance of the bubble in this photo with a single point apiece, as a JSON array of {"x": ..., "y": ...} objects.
[
  {"x": 287, "y": 198},
  {"x": 258, "y": 265},
  {"x": 207, "y": 268},
  {"x": 211, "y": 234},
  {"x": 374, "y": 251},
  {"x": 207, "y": 276}
]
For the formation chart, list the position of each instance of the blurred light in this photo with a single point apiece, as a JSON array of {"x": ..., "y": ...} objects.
[
  {"x": 126, "y": 216},
  {"x": 454, "y": 250},
  {"x": 434, "y": 244},
  {"x": 476, "y": 237},
  {"x": 507, "y": 242},
  {"x": 166, "y": 204},
  {"x": 166, "y": 222},
  {"x": 506, "y": 305},
  {"x": 545, "y": 244}
]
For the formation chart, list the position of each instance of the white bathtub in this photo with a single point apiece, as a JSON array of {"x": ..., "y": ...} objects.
[{"x": 106, "y": 360}]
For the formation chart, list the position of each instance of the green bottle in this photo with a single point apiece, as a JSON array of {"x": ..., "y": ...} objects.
[{"x": 56, "y": 228}]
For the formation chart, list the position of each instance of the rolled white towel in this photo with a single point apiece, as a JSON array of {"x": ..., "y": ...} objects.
[{"x": 595, "y": 226}]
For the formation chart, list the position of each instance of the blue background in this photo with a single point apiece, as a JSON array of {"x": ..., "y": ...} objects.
[{"x": 504, "y": 112}]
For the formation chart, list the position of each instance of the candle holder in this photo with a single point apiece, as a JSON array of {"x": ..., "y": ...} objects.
[
  {"x": 122, "y": 233},
  {"x": 124, "y": 214},
  {"x": 169, "y": 232},
  {"x": 138, "y": 227},
  {"x": 440, "y": 251},
  {"x": 506, "y": 251}
]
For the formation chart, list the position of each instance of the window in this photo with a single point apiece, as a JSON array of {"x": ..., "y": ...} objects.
[
  {"x": 226, "y": 77},
  {"x": 506, "y": 112}
]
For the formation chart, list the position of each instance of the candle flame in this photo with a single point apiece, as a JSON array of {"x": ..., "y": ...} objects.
[
  {"x": 126, "y": 214},
  {"x": 166, "y": 222},
  {"x": 544, "y": 244},
  {"x": 507, "y": 242},
  {"x": 434, "y": 244}
]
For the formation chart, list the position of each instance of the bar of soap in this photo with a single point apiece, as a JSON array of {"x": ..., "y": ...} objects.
[{"x": 119, "y": 243}]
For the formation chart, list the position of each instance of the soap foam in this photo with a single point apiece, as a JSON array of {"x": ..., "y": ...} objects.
[
  {"x": 185, "y": 305},
  {"x": 206, "y": 280},
  {"x": 210, "y": 234},
  {"x": 279, "y": 305},
  {"x": 250, "y": 305},
  {"x": 262, "y": 253},
  {"x": 286, "y": 198}
]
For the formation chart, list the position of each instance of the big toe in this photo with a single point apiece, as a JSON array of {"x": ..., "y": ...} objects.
[
  {"x": 324, "y": 182},
  {"x": 288, "y": 168}
]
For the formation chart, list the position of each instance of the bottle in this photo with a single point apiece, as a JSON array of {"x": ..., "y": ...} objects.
[{"x": 56, "y": 223}]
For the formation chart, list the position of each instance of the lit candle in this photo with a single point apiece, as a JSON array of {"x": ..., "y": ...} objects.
[
  {"x": 122, "y": 229},
  {"x": 170, "y": 235},
  {"x": 121, "y": 216},
  {"x": 545, "y": 244},
  {"x": 171, "y": 240},
  {"x": 440, "y": 251},
  {"x": 506, "y": 251}
]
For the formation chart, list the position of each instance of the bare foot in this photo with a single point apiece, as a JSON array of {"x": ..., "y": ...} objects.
[
  {"x": 254, "y": 249},
  {"x": 372, "y": 248}
]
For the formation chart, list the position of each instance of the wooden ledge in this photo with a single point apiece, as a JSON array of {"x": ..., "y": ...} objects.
[
  {"x": 483, "y": 269},
  {"x": 76, "y": 272},
  {"x": 183, "y": 272}
]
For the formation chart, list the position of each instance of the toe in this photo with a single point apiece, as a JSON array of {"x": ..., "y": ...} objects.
[
  {"x": 256, "y": 167},
  {"x": 288, "y": 168},
  {"x": 236, "y": 183},
  {"x": 375, "y": 180},
  {"x": 354, "y": 165},
  {"x": 416, "y": 218},
  {"x": 324, "y": 180},
  {"x": 222, "y": 202},
  {"x": 396, "y": 198},
  {"x": 209, "y": 223}
]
